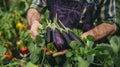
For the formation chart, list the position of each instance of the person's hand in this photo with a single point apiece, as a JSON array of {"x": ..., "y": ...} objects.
[
  {"x": 34, "y": 27},
  {"x": 84, "y": 35},
  {"x": 49, "y": 52},
  {"x": 63, "y": 52}
]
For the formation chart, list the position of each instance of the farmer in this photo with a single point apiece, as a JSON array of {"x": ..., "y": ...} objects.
[{"x": 95, "y": 17}]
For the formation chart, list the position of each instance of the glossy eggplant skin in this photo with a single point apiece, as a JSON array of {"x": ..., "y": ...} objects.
[
  {"x": 69, "y": 35},
  {"x": 74, "y": 37},
  {"x": 48, "y": 35},
  {"x": 58, "y": 39},
  {"x": 68, "y": 39},
  {"x": 49, "y": 38}
]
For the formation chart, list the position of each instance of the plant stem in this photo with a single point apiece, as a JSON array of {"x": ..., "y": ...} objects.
[
  {"x": 43, "y": 58},
  {"x": 11, "y": 64},
  {"x": 97, "y": 64},
  {"x": 4, "y": 3}
]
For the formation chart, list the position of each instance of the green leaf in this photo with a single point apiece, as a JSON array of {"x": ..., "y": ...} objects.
[
  {"x": 34, "y": 58},
  {"x": 102, "y": 47},
  {"x": 117, "y": 61},
  {"x": 51, "y": 47},
  {"x": 69, "y": 54},
  {"x": 38, "y": 39},
  {"x": 2, "y": 50},
  {"x": 82, "y": 62},
  {"x": 46, "y": 65},
  {"x": 90, "y": 58},
  {"x": 114, "y": 42},
  {"x": 74, "y": 44},
  {"x": 3, "y": 58},
  {"x": 30, "y": 47},
  {"x": 90, "y": 38},
  {"x": 29, "y": 64},
  {"x": 35, "y": 55},
  {"x": 78, "y": 32},
  {"x": 90, "y": 44},
  {"x": 42, "y": 43},
  {"x": 68, "y": 65},
  {"x": 59, "y": 59}
]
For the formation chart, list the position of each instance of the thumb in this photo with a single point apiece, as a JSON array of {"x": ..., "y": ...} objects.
[{"x": 40, "y": 26}]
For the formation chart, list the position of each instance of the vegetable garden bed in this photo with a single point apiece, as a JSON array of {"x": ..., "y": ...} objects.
[{"x": 18, "y": 50}]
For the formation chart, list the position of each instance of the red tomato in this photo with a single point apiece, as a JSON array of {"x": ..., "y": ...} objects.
[
  {"x": 7, "y": 54},
  {"x": 24, "y": 50},
  {"x": 9, "y": 57}
]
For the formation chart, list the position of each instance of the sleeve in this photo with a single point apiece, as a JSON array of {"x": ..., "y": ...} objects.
[
  {"x": 107, "y": 11},
  {"x": 38, "y": 4}
]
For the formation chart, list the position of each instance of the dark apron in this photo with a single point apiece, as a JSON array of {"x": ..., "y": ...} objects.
[{"x": 71, "y": 12}]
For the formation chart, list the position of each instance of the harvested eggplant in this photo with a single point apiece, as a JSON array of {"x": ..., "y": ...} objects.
[
  {"x": 48, "y": 35},
  {"x": 71, "y": 34},
  {"x": 74, "y": 37},
  {"x": 58, "y": 39},
  {"x": 67, "y": 39}
]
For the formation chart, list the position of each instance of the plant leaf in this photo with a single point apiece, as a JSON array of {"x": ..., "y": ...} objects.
[
  {"x": 74, "y": 44},
  {"x": 29, "y": 64},
  {"x": 114, "y": 42},
  {"x": 2, "y": 50},
  {"x": 82, "y": 62},
  {"x": 69, "y": 54}
]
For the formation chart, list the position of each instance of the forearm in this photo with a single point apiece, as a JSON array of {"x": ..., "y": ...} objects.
[
  {"x": 101, "y": 31},
  {"x": 33, "y": 15}
]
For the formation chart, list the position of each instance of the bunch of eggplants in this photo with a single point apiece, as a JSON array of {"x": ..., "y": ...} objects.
[{"x": 60, "y": 35}]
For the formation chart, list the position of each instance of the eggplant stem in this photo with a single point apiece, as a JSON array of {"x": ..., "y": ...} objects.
[
  {"x": 65, "y": 28},
  {"x": 43, "y": 58}
]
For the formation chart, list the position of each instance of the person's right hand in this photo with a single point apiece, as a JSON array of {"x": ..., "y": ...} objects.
[{"x": 33, "y": 30}]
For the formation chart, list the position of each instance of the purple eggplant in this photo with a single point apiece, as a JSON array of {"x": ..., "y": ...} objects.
[
  {"x": 58, "y": 39},
  {"x": 74, "y": 37},
  {"x": 48, "y": 35},
  {"x": 71, "y": 34},
  {"x": 68, "y": 39}
]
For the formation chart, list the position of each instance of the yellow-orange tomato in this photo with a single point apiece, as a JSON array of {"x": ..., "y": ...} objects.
[
  {"x": 19, "y": 42},
  {"x": 20, "y": 26}
]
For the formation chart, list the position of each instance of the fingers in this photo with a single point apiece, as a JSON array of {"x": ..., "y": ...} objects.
[
  {"x": 43, "y": 48},
  {"x": 33, "y": 34},
  {"x": 84, "y": 35},
  {"x": 34, "y": 28},
  {"x": 60, "y": 53},
  {"x": 49, "y": 52},
  {"x": 40, "y": 26}
]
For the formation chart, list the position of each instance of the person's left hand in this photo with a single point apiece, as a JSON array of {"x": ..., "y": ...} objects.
[{"x": 49, "y": 52}]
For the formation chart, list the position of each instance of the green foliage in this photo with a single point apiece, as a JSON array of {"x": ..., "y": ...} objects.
[{"x": 2, "y": 50}]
